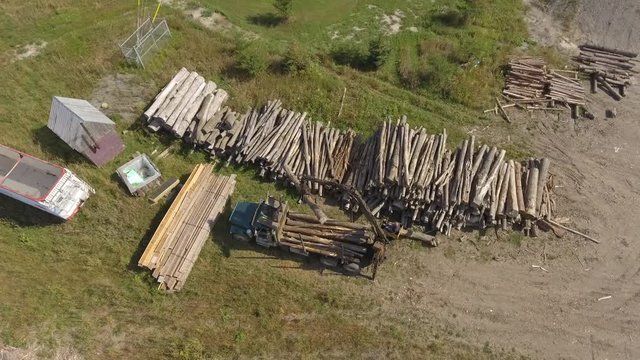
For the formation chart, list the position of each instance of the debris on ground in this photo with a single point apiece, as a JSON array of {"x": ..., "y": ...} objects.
[{"x": 186, "y": 226}]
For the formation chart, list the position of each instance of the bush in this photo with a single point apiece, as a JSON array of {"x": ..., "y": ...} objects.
[
  {"x": 454, "y": 17},
  {"x": 359, "y": 57},
  {"x": 297, "y": 58},
  {"x": 284, "y": 7},
  {"x": 252, "y": 58},
  {"x": 379, "y": 51}
]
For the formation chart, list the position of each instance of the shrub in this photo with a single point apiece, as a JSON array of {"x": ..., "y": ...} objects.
[
  {"x": 454, "y": 17},
  {"x": 357, "y": 56},
  {"x": 379, "y": 50},
  {"x": 252, "y": 58},
  {"x": 297, "y": 58},
  {"x": 349, "y": 54},
  {"x": 284, "y": 7}
]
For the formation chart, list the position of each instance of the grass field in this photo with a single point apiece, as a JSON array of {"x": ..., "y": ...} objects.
[{"x": 76, "y": 284}]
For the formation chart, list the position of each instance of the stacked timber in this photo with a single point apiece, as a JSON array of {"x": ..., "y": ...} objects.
[
  {"x": 176, "y": 243},
  {"x": 409, "y": 172},
  {"x": 402, "y": 171},
  {"x": 345, "y": 241},
  {"x": 565, "y": 90},
  {"x": 609, "y": 68},
  {"x": 176, "y": 106},
  {"x": 526, "y": 81}
]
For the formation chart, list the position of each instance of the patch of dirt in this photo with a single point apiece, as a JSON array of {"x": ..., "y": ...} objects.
[
  {"x": 124, "y": 95},
  {"x": 29, "y": 50},
  {"x": 392, "y": 23},
  {"x": 567, "y": 23},
  {"x": 209, "y": 19},
  {"x": 494, "y": 290}
]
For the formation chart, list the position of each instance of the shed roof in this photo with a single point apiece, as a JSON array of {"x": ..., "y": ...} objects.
[{"x": 84, "y": 110}]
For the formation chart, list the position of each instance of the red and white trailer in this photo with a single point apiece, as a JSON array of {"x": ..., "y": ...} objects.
[{"x": 40, "y": 184}]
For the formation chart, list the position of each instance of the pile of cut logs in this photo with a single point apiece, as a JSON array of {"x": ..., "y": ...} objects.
[
  {"x": 407, "y": 171},
  {"x": 177, "y": 105},
  {"x": 400, "y": 170},
  {"x": 609, "y": 68},
  {"x": 530, "y": 85},
  {"x": 526, "y": 81},
  {"x": 343, "y": 240},
  {"x": 177, "y": 241}
]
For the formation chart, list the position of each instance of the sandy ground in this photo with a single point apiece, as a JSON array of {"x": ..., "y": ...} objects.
[
  {"x": 124, "y": 94},
  {"x": 496, "y": 296},
  {"x": 586, "y": 305}
]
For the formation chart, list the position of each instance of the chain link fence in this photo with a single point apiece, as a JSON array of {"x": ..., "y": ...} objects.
[{"x": 147, "y": 39}]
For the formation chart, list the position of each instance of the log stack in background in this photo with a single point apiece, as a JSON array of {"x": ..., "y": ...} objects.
[
  {"x": 403, "y": 172},
  {"x": 609, "y": 68},
  {"x": 178, "y": 240}
]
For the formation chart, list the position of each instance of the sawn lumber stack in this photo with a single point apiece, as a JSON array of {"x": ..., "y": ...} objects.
[
  {"x": 177, "y": 241},
  {"x": 402, "y": 171}
]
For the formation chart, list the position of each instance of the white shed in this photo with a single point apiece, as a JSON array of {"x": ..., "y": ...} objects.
[{"x": 85, "y": 129}]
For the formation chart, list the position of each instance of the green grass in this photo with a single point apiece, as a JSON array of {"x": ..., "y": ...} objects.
[{"x": 77, "y": 283}]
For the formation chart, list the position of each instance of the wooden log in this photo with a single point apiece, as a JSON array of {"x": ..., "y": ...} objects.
[
  {"x": 543, "y": 177},
  {"x": 531, "y": 192},
  {"x": 166, "y": 93}
]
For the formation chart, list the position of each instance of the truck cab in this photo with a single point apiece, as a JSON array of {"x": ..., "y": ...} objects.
[{"x": 257, "y": 221}]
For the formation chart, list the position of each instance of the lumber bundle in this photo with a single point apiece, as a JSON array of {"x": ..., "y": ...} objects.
[
  {"x": 406, "y": 171},
  {"x": 177, "y": 241},
  {"x": 609, "y": 68},
  {"x": 345, "y": 241}
]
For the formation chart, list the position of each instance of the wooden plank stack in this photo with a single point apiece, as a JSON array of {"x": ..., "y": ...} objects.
[
  {"x": 609, "y": 68},
  {"x": 400, "y": 170},
  {"x": 346, "y": 241},
  {"x": 185, "y": 228}
]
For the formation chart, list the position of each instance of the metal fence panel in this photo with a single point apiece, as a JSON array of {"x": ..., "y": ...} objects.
[{"x": 147, "y": 39}]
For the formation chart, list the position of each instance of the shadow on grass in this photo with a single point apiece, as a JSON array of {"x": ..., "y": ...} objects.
[
  {"x": 267, "y": 19},
  {"x": 52, "y": 144},
  {"x": 24, "y": 215}
]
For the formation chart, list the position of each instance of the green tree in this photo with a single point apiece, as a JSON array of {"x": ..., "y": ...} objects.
[{"x": 284, "y": 7}]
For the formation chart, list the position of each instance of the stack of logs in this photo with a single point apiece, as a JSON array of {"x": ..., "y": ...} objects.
[
  {"x": 609, "y": 68},
  {"x": 177, "y": 241},
  {"x": 177, "y": 105},
  {"x": 407, "y": 171},
  {"x": 347, "y": 241},
  {"x": 400, "y": 170},
  {"x": 530, "y": 85},
  {"x": 526, "y": 81}
]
